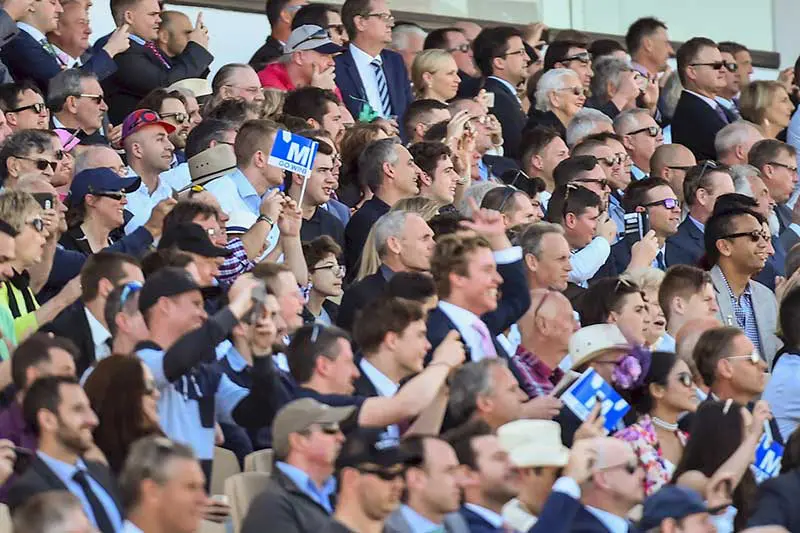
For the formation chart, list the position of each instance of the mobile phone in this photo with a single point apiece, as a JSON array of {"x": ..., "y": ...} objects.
[
  {"x": 490, "y": 100},
  {"x": 44, "y": 199},
  {"x": 636, "y": 225}
]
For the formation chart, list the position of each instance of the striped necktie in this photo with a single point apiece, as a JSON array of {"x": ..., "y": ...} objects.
[
  {"x": 383, "y": 87},
  {"x": 150, "y": 45}
]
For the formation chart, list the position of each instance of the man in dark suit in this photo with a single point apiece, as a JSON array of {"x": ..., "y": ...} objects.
[
  {"x": 777, "y": 162},
  {"x": 10, "y": 13},
  {"x": 84, "y": 321},
  {"x": 280, "y": 14},
  {"x": 698, "y": 117},
  {"x": 502, "y": 59},
  {"x": 456, "y": 42},
  {"x": 77, "y": 105},
  {"x": 31, "y": 56},
  {"x": 776, "y": 503},
  {"x": 142, "y": 67},
  {"x": 59, "y": 412},
  {"x": 373, "y": 80}
]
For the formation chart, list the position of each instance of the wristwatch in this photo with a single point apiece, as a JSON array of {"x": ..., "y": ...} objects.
[{"x": 266, "y": 219}]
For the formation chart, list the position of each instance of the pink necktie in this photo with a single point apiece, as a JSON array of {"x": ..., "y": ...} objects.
[
  {"x": 487, "y": 346},
  {"x": 150, "y": 45}
]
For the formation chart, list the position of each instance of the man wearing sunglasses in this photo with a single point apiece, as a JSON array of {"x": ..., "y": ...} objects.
[
  {"x": 455, "y": 41},
  {"x": 698, "y": 116},
  {"x": 777, "y": 163},
  {"x": 27, "y": 152},
  {"x": 24, "y": 107},
  {"x": 641, "y": 135},
  {"x": 738, "y": 246},
  {"x": 78, "y": 106},
  {"x": 572, "y": 55},
  {"x": 728, "y": 95}
]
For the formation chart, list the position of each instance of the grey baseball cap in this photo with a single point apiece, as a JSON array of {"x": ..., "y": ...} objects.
[
  {"x": 299, "y": 415},
  {"x": 311, "y": 37}
]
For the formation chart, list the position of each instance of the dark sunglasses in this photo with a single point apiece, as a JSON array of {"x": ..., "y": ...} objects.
[
  {"x": 460, "y": 48},
  {"x": 716, "y": 65},
  {"x": 114, "y": 195},
  {"x": 38, "y": 107},
  {"x": 754, "y": 236},
  {"x": 583, "y": 57},
  {"x": 669, "y": 203},
  {"x": 385, "y": 475},
  {"x": 602, "y": 182},
  {"x": 96, "y": 98},
  {"x": 37, "y": 224},
  {"x": 41, "y": 164},
  {"x": 652, "y": 131},
  {"x": 180, "y": 118},
  {"x": 577, "y": 91},
  {"x": 685, "y": 379},
  {"x": 611, "y": 160},
  {"x": 731, "y": 66}
]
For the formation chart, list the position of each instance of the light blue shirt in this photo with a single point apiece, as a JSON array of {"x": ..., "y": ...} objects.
[
  {"x": 512, "y": 341},
  {"x": 416, "y": 522},
  {"x": 508, "y": 86},
  {"x": 368, "y": 77},
  {"x": 700, "y": 225},
  {"x": 666, "y": 133},
  {"x": 65, "y": 471},
  {"x": 637, "y": 173},
  {"x": 666, "y": 343},
  {"x": 494, "y": 519},
  {"x": 235, "y": 193},
  {"x": 138, "y": 40},
  {"x": 177, "y": 177},
  {"x": 783, "y": 393},
  {"x": 612, "y": 522},
  {"x": 321, "y": 495},
  {"x": 141, "y": 203}
]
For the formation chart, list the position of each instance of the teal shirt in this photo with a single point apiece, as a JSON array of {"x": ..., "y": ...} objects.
[{"x": 7, "y": 330}]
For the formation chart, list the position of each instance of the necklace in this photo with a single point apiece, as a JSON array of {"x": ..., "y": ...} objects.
[{"x": 665, "y": 425}]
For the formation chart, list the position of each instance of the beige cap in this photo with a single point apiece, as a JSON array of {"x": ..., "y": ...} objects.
[
  {"x": 300, "y": 415},
  {"x": 533, "y": 443},
  {"x": 212, "y": 163},
  {"x": 198, "y": 86},
  {"x": 590, "y": 342}
]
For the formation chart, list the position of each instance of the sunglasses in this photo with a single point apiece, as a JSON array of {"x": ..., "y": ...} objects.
[
  {"x": 754, "y": 357},
  {"x": 41, "y": 164},
  {"x": 38, "y": 107},
  {"x": 583, "y": 57},
  {"x": 384, "y": 474},
  {"x": 180, "y": 117},
  {"x": 668, "y": 203},
  {"x": 754, "y": 236},
  {"x": 114, "y": 195},
  {"x": 577, "y": 91},
  {"x": 716, "y": 65},
  {"x": 652, "y": 131},
  {"x": 37, "y": 224},
  {"x": 612, "y": 160},
  {"x": 460, "y": 48},
  {"x": 602, "y": 182},
  {"x": 96, "y": 98},
  {"x": 685, "y": 379}
]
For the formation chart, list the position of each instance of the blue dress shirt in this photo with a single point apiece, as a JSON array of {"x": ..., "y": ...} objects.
[{"x": 321, "y": 495}]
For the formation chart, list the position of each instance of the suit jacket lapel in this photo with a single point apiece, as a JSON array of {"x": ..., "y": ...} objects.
[
  {"x": 351, "y": 71},
  {"x": 392, "y": 86},
  {"x": 50, "y": 478}
]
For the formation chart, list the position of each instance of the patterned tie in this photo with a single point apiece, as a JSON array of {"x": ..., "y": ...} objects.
[
  {"x": 383, "y": 88},
  {"x": 150, "y": 45},
  {"x": 721, "y": 113},
  {"x": 102, "y": 521},
  {"x": 487, "y": 346}
]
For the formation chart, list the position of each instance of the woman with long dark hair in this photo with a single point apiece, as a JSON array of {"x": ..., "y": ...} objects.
[
  {"x": 123, "y": 394},
  {"x": 666, "y": 392}
]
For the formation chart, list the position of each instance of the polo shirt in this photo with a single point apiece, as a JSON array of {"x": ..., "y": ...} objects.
[{"x": 322, "y": 223}]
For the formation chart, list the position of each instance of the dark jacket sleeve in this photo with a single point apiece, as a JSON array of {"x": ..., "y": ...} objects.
[
  {"x": 272, "y": 511},
  {"x": 142, "y": 75},
  {"x": 557, "y": 514},
  {"x": 8, "y": 28},
  {"x": 775, "y": 503},
  {"x": 66, "y": 265},
  {"x": 101, "y": 64},
  {"x": 267, "y": 396},
  {"x": 197, "y": 346},
  {"x": 515, "y": 299}
]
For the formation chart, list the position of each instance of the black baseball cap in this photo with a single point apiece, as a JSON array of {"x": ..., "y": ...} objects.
[
  {"x": 190, "y": 237},
  {"x": 169, "y": 281},
  {"x": 374, "y": 446},
  {"x": 672, "y": 501}
]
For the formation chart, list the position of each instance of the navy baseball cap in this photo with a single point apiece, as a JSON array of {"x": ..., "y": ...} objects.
[
  {"x": 190, "y": 237},
  {"x": 674, "y": 502},
  {"x": 167, "y": 282},
  {"x": 98, "y": 181},
  {"x": 374, "y": 446}
]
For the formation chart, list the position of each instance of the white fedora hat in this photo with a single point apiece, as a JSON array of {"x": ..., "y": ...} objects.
[{"x": 533, "y": 443}]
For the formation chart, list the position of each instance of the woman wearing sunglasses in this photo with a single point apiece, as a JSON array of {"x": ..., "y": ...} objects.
[
  {"x": 559, "y": 96},
  {"x": 665, "y": 392},
  {"x": 96, "y": 211}
]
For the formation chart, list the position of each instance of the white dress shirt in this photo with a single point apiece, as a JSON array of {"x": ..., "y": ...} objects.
[
  {"x": 518, "y": 516},
  {"x": 508, "y": 86},
  {"x": 588, "y": 260},
  {"x": 366, "y": 72},
  {"x": 99, "y": 336},
  {"x": 382, "y": 384},
  {"x": 713, "y": 104},
  {"x": 141, "y": 202}
]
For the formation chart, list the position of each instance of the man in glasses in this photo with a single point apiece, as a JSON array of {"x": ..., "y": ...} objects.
[
  {"x": 738, "y": 246},
  {"x": 171, "y": 107},
  {"x": 602, "y": 147},
  {"x": 513, "y": 204},
  {"x": 503, "y": 61},
  {"x": 306, "y": 442},
  {"x": 27, "y": 152},
  {"x": 777, "y": 163},
  {"x": 698, "y": 116},
  {"x": 371, "y": 468},
  {"x": 571, "y": 55},
  {"x": 373, "y": 79},
  {"x": 24, "y": 107},
  {"x": 325, "y": 16},
  {"x": 729, "y": 94},
  {"x": 455, "y": 41},
  {"x": 280, "y": 14},
  {"x": 76, "y": 100},
  {"x": 641, "y": 135},
  {"x": 702, "y": 185}
]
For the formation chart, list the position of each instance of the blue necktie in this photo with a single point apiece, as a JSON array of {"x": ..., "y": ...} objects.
[
  {"x": 383, "y": 88},
  {"x": 660, "y": 261},
  {"x": 102, "y": 521}
]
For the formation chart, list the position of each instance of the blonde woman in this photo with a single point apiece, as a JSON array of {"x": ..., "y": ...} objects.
[
  {"x": 434, "y": 74},
  {"x": 272, "y": 106},
  {"x": 767, "y": 105},
  {"x": 649, "y": 281}
]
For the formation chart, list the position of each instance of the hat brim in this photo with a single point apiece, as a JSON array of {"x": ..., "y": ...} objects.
[
  {"x": 329, "y": 49},
  {"x": 217, "y": 251},
  {"x": 334, "y": 415},
  {"x": 596, "y": 353},
  {"x": 130, "y": 184},
  {"x": 533, "y": 456},
  {"x": 166, "y": 125},
  {"x": 205, "y": 178}
]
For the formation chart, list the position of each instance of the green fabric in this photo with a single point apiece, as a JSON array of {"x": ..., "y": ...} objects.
[{"x": 7, "y": 330}]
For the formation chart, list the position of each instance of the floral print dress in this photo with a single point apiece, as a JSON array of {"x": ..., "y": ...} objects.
[{"x": 644, "y": 441}]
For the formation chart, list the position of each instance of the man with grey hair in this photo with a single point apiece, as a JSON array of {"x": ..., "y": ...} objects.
[
  {"x": 99, "y": 156},
  {"x": 162, "y": 487},
  {"x": 547, "y": 256},
  {"x": 408, "y": 40},
  {"x": 614, "y": 88},
  {"x": 404, "y": 243},
  {"x": 733, "y": 142},
  {"x": 587, "y": 122},
  {"x": 75, "y": 99},
  {"x": 641, "y": 135},
  {"x": 55, "y": 511},
  {"x": 388, "y": 169}
]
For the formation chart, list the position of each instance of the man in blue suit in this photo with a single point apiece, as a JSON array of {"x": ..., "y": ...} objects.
[
  {"x": 373, "y": 80},
  {"x": 702, "y": 186},
  {"x": 32, "y": 56}
]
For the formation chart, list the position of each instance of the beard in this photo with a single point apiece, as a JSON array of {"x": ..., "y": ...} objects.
[{"x": 72, "y": 440}]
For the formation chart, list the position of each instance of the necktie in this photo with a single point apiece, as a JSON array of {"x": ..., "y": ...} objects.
[
  {"x": 150, "y": 45},
  {"x": 102, "y": 521},
  {"x": 487, "y": 346},
  {"x": 660, "y": 261},
  {"x": 721, "y": 113},
  {"x": 383, "y": 88}
]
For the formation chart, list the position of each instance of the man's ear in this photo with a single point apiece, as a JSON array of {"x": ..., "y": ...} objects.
[
  {"x": 570, "y": 220},
  {"x": 425, "y": 179}
]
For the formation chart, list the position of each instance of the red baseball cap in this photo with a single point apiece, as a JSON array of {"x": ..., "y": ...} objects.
[{"x": 141, "y": 118}]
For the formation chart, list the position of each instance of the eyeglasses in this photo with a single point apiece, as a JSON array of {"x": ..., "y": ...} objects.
[
  {"x": 180, "y": 117},
  {"x": 37, "y": 224},
  {"x": 754, "y": 357},
  {"x": 612, "y": 160},
  {"x": 716, "y": 65},
  {"x": 384, "y": 474},
  {"x": 685, "y": 379},
  {"x": 602, "y": 182},
  {"x": 754, "y": 236},
  {"x": 652, "y": 131},
  {"x": 515, "y": 53},
  {"x": 41, "y": 164},
  {"x": 781, "y": 165},
  {"x": 96, "y": 98},
  {"x": 385, "y": 17},
  {"x": 583, "y": 57},
  {"x": 731, "y": 66},
  {"x": 668, "y": 203},
  {"x": 38, "y": 107},
  {"x": 465, "y": 47},
  {"x": 577, "y": 91},
  {"x": 338, "y": 270}
]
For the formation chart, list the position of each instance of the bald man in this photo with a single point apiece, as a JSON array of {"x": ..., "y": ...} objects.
[
  {"x": 173, "y": 33},
  {"x": 545, "y": 331},
  {"x": 671, "y": 161}
]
